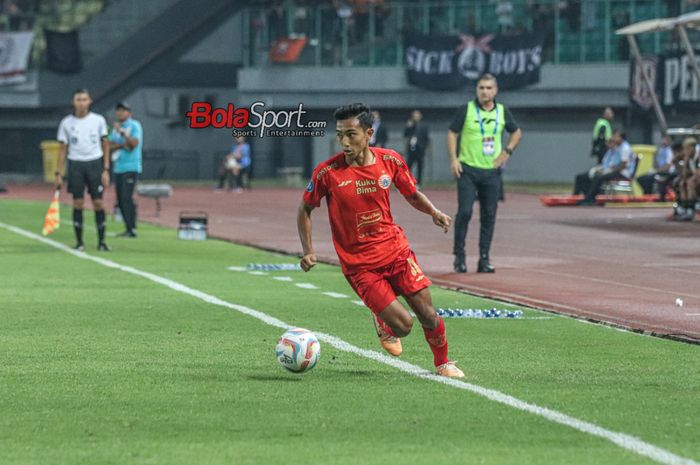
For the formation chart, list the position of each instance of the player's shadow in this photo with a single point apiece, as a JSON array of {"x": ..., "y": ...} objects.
[
  {"x": 330, "y": 374},
  {"x": 345, "y": 372},
  {"x": 281, "y": 377}
]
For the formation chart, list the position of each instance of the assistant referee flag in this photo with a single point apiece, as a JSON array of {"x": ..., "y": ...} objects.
[{"x": 52, "y": 221}]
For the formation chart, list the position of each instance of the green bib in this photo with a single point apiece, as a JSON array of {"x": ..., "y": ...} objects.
[
  {"x": 602, "y": 122},
  {"x": 476, "y": 149}
]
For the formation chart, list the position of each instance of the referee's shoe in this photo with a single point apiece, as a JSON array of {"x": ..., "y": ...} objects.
[{"x": 103, "y": 247}]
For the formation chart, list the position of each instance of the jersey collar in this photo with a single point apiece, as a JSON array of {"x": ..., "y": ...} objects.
[{"x": 476, "y": 102}]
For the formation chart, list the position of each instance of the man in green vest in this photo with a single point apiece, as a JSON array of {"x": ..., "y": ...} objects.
[
  {"x": 476, "y": 155},
  {"x": 602, "y": 131}
]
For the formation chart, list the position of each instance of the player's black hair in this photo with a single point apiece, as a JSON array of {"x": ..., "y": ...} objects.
[
  {"x": 677, "y": 146},
  {"x": 355, "y": 110},
  {"x": 80, "y": 91}
]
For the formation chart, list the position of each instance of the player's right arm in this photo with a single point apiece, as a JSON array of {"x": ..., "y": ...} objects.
[
  {"x": 63, "y": 137},
  {"x": 308, "y": 261},
  {"x": 61, "y": 163},
  {"x": 452, "y": 137},
  {"x": 315, "y": 191},
  {"x": 455, "y": 165}
]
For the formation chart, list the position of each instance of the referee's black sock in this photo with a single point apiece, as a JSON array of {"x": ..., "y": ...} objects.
[
  {"x": 101, "y": 226},
  {"x": 78, "y": 224}
]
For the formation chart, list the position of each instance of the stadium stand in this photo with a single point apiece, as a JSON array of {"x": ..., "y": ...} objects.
[{"x": 164, "y": 54}]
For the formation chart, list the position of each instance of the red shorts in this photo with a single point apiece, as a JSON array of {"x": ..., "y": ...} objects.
[{"x": 379, "y": 287}]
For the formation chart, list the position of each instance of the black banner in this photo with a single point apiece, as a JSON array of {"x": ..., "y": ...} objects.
[
  {"x": 676, "y": 83},
  {"x": 671, "y": 75},
  {"x": 441, "y": 62},
  {"x": 63, "y": 51}
]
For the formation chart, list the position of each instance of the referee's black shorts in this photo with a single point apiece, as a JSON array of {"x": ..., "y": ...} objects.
[{"x": 85, "y": 174}]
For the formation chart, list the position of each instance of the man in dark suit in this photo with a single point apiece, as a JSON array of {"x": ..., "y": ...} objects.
[
  {"x": 380, "y": 136},
  {"x": 417, "y": 137}
]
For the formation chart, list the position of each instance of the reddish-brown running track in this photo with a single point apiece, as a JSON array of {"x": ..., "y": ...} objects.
[{"x": 622, "y": 266}]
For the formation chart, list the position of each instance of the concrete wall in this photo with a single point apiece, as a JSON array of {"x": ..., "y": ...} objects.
[
  {"x": 223, "y": 45},
  {"x": 171, "y": 149}
]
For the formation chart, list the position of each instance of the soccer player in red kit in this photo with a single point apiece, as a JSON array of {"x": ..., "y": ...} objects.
[{"x": 374, "y": 253}]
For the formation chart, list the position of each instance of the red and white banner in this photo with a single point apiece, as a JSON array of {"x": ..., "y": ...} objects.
[
  {"x": 287, "y": 50},
  {"x": 14, "y": 56}
]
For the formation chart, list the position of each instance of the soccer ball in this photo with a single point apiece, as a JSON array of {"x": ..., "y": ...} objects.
[{"x": 298, "y": 350}]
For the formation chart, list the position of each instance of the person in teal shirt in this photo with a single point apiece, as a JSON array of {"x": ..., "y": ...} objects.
[{"x": 126, "y": 142}]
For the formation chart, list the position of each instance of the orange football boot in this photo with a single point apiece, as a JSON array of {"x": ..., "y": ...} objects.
[
  {"x": 391, "y": 344},
  {"x": 449, "y": 370}
]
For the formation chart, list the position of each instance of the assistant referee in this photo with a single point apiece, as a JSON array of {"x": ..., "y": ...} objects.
[
  {"x": 83, "y": 137},
  {"x": 476, "y": 155}
]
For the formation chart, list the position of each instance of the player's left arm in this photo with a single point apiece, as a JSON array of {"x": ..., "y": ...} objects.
[
  {"x": 516, "y": 134},
  {"x": 422, "y": 203},
  {"x": 105, "y": 161},
  {"x": 104, "y": 143},
  {"x": 131, "y": 138}
]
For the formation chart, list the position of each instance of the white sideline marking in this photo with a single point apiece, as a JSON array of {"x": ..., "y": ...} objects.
[
  {"x": 359, "y": 302},
  {"x": 283, "y": 278},
  {"x": 335, "y": 295},
  {"x": 622, "y": 440},
  {"x": 306, "y": 286},
  {"x": 257, "y": 273},
  {"x": 692, "y": 314},
  {"x": 237, "y": 268}
]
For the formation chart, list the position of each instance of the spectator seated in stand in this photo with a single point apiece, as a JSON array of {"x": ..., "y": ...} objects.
[
  {"x": 618, "y": 164},
  {"x": 663, "y": 170},
  {"x": 236, "y": 165},
  {"x": 584, "y": 181}
]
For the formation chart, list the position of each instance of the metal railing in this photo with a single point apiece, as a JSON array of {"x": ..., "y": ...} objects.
[{"x": 580, "y": 31}]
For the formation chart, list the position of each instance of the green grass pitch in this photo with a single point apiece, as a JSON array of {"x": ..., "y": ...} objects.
[{"x": 98, "y": 366}]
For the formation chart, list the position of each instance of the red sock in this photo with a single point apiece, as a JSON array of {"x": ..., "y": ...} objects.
[
  {"x": 383, "y": 325},
  {"x": 437, "y": 339}
]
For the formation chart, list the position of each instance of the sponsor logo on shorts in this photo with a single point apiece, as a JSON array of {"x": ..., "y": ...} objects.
[{"x": 384, "y": 181}]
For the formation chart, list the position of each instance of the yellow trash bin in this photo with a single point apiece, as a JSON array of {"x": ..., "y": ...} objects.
[
  {"x": 646, "y": 162},
  {"x": 50, "y": 150}
]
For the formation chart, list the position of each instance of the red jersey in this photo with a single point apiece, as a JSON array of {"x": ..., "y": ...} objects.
[{"x": 364, "y": 233}]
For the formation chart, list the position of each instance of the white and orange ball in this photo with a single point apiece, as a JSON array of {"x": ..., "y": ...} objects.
[{"x": 298, "y": 350}]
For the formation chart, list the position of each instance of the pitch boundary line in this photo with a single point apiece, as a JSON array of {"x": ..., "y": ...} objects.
[{"x": 622, "y": 440}]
